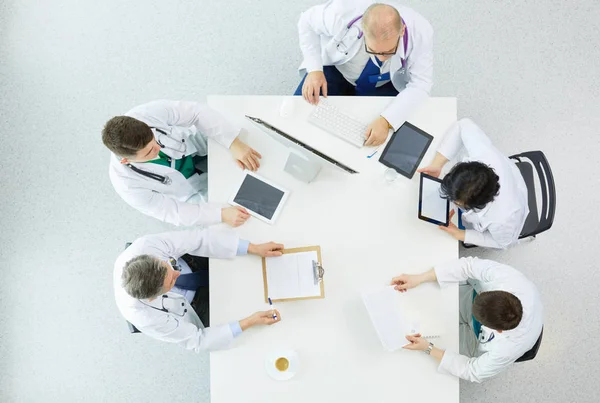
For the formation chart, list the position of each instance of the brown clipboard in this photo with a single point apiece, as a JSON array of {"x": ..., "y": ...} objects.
[{"x": 291, "y": 251}]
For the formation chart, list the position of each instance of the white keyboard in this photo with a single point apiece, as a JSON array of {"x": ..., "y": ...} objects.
[{"x": 332, "y": 120}]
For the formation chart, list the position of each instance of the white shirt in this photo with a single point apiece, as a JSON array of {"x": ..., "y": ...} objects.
[
  {"x": 189, "y": 121},
  {"x": 322, "y": 27},
  {"x": 504, "y": 348},
  {"x": 499, "y": 224},
  {"x": 177, "y": 325},
  {"x": 353, "y": 68}
]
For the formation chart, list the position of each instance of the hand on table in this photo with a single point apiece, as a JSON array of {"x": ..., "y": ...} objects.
[
  {"x": 404, "y": 282},
  {"x": 244, "y": 155},
  {"x": 234, "y": 216},
  {"x": 314, "y": 82},
  {"x": 377, "y": 132},
  {"x": 453, "y": 230},
  {"x": 417, "y": 343},
  {"x": 266, "y": 249},
  {"x": 260, "y": 318}
]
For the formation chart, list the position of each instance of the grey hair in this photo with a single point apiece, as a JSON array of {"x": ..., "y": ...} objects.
[
  {"x": 382, "y": 21},
  {"x": 143, "y": 277}
]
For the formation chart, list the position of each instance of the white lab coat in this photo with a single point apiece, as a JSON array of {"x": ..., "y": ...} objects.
[
  {"x": 186, "y": 330},
  {"x": 505, "y": 348},
  {"x": 500, "y": 222},
  {"x": 322, "y": 27},
  {"x": 189, "y": 121}
]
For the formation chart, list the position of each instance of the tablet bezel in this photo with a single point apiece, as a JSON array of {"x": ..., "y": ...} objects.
[
  {"x": 388, "y": 164},
  {"x": 268, "y": 182},
  {"x": 422, "y": 217}
]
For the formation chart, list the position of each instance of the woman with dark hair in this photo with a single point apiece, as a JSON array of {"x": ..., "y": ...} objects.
[{"x": 486, "y": 186}]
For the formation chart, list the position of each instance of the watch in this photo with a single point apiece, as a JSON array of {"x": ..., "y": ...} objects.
[{"x": 429, "y": 348}]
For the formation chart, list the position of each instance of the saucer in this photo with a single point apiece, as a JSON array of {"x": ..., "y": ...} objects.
[{"x": 276, "y": 374}]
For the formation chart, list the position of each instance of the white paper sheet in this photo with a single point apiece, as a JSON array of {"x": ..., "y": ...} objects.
[
  {"x": 291, "y": 276},
  {"x": 395, "y": 315}
]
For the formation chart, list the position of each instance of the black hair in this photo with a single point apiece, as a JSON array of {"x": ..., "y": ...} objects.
[{"x": 473, "y": 184}]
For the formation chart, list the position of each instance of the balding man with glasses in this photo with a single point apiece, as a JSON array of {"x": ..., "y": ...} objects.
[{"x": 367, "y": 49}]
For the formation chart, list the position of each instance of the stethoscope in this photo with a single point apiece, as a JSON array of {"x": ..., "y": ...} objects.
[
  {"x": 175, "y": 266},
  {"x": 165, "y": 180},
  {"x": 182, "y": 149},
  {"x": 490, "y": 338},
  {"x": 163, "y": 309},
  {"x": 350, "y": 25}
]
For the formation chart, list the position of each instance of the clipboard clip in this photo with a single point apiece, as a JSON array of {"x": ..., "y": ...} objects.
[{"x": 318, "y": 271}]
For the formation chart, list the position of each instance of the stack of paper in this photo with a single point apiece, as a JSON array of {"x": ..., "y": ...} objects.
[{"x": 395, "y": 315}]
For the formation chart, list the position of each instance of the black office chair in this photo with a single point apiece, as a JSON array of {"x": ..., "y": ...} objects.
[
  {"x": 132, "y": 329},
  {"x": 530, "y": 355},
  {"x": 536, "y": 222}
]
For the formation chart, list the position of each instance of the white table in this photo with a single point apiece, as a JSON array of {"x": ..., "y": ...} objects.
[{"x": 368, "y": 231}]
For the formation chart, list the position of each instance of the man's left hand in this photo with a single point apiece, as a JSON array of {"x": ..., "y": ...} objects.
[
  {"x": 377, "y": 132},
  {"x": 244, "y": 155},
  {"x": 417, "y": 343}
]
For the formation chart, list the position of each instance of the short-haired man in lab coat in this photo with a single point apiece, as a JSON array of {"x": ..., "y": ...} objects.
[
  {"x": 155, "y": 297},
  {"x": 363, "y": 48},
  {"x": 486, "y": 185},
  {"x": 501, "y": 316},
  {"x": 155, "y": 149}
]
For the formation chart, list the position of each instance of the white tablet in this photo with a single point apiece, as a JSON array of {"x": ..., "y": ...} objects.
[
  {"x": 432, "y": 207},
  {"x": 262, "y": 198}
]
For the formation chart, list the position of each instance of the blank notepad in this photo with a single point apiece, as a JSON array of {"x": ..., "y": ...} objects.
[
  {"x": 291, "y": 276},
  {"x": 395, "y": 315}
]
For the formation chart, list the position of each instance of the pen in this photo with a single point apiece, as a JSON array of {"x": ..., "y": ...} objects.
[
  {"x": 375, "y": 152},
  {"x": 271, "y": 303}
]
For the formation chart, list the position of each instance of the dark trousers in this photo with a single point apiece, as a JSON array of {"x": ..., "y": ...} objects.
[
  {"x": 201, "y": 301},
  {"x": 338, "y": 85}
]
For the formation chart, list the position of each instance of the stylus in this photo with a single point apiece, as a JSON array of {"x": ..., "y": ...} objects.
[{"x": 375, "y": 152}]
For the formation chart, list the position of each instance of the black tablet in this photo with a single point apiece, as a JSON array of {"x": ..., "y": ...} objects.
[
  {"x": 406, "y": 149},
  {"x": 432, "y": 207}
]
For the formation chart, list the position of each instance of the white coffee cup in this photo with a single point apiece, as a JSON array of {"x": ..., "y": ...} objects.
[{"x": 282, "y": 365}]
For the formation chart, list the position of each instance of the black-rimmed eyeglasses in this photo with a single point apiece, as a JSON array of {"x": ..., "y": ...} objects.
[{"x": 383, "y": 53}]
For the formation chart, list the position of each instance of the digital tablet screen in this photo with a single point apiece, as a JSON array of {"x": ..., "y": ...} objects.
[
  {"x": 258, "y": 196},
  {"x": 432, "y": 207},
  {"x": 406, "y": 149}
]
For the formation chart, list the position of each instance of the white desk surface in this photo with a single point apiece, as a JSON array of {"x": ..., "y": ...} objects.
[{"x": 368, "y": 231}]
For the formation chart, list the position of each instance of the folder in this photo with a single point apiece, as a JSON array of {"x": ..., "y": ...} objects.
[{"x": 295, "y": 275}]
